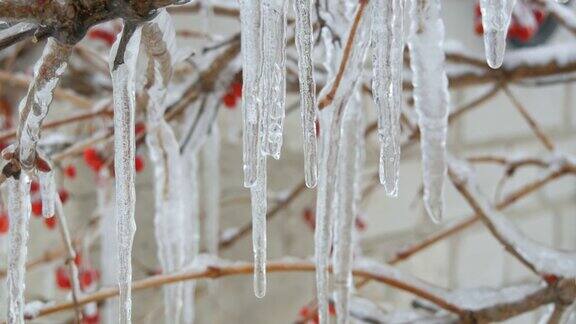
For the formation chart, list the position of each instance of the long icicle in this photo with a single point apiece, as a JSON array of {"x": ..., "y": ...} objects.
[
  {"x": 330, "y": 125},
  {"x": 159, "y": 38},
  {"x": 387, "y": 64},
  {"x": 250, "y": 46},
  {"x": 34, "y": 107},
  {"x": 19, "y": 213},
  {"x": 305, "y": 47},
  {"x": 259, "y": 209},
  {"x": 211, "y": 160},
  {"x": 431, "y": 98},
  {"x": 272, "y": 80},
  {"x": 346, "y": 207},
  {"x": 496, "y": 16},
  {"x": 123, "y": 58}
]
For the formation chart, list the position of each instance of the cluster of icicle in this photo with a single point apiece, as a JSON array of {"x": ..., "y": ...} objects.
[{"x": 334, "y": 166}]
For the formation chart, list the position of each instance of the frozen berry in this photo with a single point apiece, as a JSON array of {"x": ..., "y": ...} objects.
[
  {"x": 37, "y": 208},
  {"x": 87, "y": 277},
  {"x": 103, "y": 35},
  {"x": 236, "y": 89},
  {"x": 70, "y": 171},
  {"x": 34, "y": 186},
  {"x": 229, "y": 100},
  {"x": 62, "y": 278},
  {"x": 139, "y": 128},
  {"x": 93, "y": 159},
  {"x": 50, "y": 222},
  {"x": 64, "y": 195},
  {"x": 139, "y": 164},
  {"x": 4, "y": 223}
]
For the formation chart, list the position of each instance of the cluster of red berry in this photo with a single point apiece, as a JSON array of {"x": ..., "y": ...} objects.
[
  {"x": 517, "y": 30},
  {"x": 231, "y": 97},
  {"x": 108, "y": 36},
  {"x": 309, "y": 217},
  {"x": 95, "y": 161}
]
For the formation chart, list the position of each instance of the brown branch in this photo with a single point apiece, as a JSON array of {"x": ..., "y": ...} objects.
[
  {"x": 530, "y": 120},
  {"x": 327, "y": 100}
]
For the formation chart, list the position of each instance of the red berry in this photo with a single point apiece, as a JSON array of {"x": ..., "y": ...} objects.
[
  {"x": 78, "y": 259},
  {"x": 64, "y": 195},
  {"x": 62, "y": 278},
  {"x": 229, "y": 100},
  {"x": 93, "y": 159},
  {"x": 139, "y": 164},
  {"x": 539, "y": 15},
  {"x": 34, "y": 186},
  {"x": 479, "y": 28},
  {"x": 236, "y": 89},
  {"x": 309, "y": 218},
  {"x": 91, "y": 319},
  {"x": 70, "y": 171},
  {"x": 332, "y": 309},
  {"x": 87, "y": 277},
  {"x": 37, "y": 208},
  {"x": 104, "y": 35},
  {"x": 525, "y": 33},
  {"x": 50, "y": 222},
  {"x": 360, "y": 224},
  {"x": 550, "y": 278},
  {"x": 4, "y": 223},
  {"x": 139, "y": 128},
  {"x": 304, "y": 312}
]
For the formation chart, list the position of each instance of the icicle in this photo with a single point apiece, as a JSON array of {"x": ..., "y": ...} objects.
[
  {"x": 259, "y": 209},
  {"x": 496, "y": 16},
  {"x": 431, "y": 98},
  {"x": 19, "y": 213},
  {"x": 123, "y": 58},
  {"x": 305, "y": 46},
  {"x": 387, "y": 58},
  {"x": 211, "y": 158},
  {"x": 346, "y": 210},
  {"x": 159, "y": 39},
  {"x": 330, "y": 126},
  {"x": 192, "y": 230},
  {"x": 272, "y": 80},
  {"x": 250, "y": 43},
  {"x": 47, "y": 193},
  {"x": 34, "y": 107},
  {"x": 108, "y": 240}
]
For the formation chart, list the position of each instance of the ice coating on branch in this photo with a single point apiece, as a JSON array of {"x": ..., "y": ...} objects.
[
  {"x": 387, "y": 66},
  {"x": 305, "y": 47},
  {"x": 123, "y": 58},
  {"x": 250, "y": 48},
  {"x": 47, "y": 193},
  {"x": 431, "y": 98},
  {"x": 496, "y": 16},
  {"x": 330, "y": 131},
  {"x": 347, "y": 192},
  {"x": 272, "y": 79},
  {"x": 108, "y": 241},
  {"x": 543, "y": 259},
  {"x": 158, "y": 38},
  {"x": 34, "y": 107},
  {"x": 259, "y": 210},
  {"x": 211, "y": 159},
  {"x": 19, "y": 213}
]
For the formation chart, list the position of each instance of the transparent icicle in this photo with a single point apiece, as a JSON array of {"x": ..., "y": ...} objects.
[
  {"x": 19, "y": 213},
  {"x": 305, "y": 47},
  {"x": 123, "y": 58},
  {"x": 250, "y": 43},
  {"x": 34, "y": 107},
  {"x": 108, "y": 240},
  {"x": 192, "y": 230},
  {"x": 47, "y": 193},
  {"x": 387, "y": 64},
  {"x": 496, "y": 16},
  {"x": 346, "y": 207},
  {"x": 330, "y": 126},
  {"x": 431, "y": 98},
  {"x": 211, "y": 160},
  {"x": 259, "y": 209},
  {"x": 159, "y": 39},
  {"x": 272, "y": 80}
]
